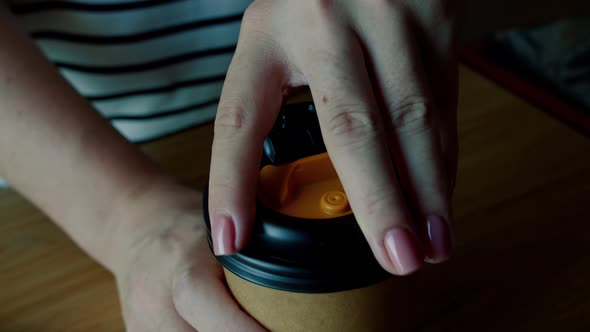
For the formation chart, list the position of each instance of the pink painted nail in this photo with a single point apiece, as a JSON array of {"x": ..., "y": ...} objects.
[
  {"x": 403, "y": 250},
  {"x": 224, "y": 235},
  {"x": 438, "y": 244}
]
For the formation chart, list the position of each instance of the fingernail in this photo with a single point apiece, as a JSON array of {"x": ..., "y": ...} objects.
[
  {"x": 224, "y": 234},
  {"x": 438, "y": 244},
  {"x": 403, "y": 250}
]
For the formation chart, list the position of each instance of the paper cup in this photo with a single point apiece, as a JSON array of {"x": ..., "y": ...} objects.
[{"x": 375, "y": 308}]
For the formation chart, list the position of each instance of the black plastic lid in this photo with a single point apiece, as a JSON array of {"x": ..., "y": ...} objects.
[
  {"x": 303, "y": 255},
  {"x": 295, "y": 135}
]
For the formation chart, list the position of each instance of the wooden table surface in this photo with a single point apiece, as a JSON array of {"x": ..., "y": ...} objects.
[{"x": 522, "y": 260}]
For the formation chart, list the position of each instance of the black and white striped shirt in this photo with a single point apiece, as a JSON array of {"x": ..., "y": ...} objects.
[{"x": 152, "y": 67}]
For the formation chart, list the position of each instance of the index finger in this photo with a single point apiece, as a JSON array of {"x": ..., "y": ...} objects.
[{"x": 250, "y": 100}]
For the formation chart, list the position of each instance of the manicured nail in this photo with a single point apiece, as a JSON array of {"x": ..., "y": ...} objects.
[
  {"x": 403, "y": 250},
  {"x": 438, "y": 244},
  {"x": 224, "y": 234}
]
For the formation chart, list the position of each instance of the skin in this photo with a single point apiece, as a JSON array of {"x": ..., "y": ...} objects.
[
  {"x": 109, "y": 197},
  {"x": 383, "y": 76}
]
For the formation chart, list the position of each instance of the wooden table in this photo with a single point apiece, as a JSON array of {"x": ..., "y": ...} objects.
[{"x": 522, "y": 260}]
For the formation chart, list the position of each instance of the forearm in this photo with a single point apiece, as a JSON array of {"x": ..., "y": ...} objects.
[{"x": 60, "y": 153}]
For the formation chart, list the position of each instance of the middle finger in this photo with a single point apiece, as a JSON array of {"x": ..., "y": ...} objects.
[{"x": 355, "y": 138}]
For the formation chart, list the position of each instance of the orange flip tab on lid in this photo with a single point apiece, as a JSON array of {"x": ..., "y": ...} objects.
[{"x": 307, "y": 188}]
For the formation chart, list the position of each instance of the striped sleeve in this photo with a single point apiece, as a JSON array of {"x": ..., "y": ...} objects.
[{"x": 152, "y": 67}]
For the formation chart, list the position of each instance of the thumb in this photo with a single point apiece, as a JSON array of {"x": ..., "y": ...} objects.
[{"x": 205, "y": 303}]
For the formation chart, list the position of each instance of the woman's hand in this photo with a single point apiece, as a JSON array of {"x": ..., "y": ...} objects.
[
  {"x": 383, "y": 77},
  {"x": 109, "y": 197},
  {"x": 168, "y": 279}
]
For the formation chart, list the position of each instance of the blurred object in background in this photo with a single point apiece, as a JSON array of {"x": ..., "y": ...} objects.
[
  {"x": 544, "y": 58},
  {"x": 555, "y": 56},
  {"x": 479, "y": 19},
  {"x": 3, "y": 183}
]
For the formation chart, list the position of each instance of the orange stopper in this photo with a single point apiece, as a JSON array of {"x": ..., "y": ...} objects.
[
  {"x": 307, "y": 188},
  {"x": 334, "y": 202}
]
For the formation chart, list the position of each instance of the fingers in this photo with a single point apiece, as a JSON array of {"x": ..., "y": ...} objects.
[
  {"x": 205, "y": 303},
  {"x": 355, "y": 138},
  {"x": 414, "y": 126},
  {"x": 147, "y": 306},
  {"x": 250, "y": 100}
]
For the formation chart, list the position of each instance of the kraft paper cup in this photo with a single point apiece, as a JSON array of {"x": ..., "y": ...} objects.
[
  {"x": 378, "y": 307},
  {"x": 313, "y": 275}
]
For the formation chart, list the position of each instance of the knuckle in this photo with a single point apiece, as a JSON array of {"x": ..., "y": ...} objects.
[
  {"x": 351, "y": 125},
  {"x": 412, "y": 115},
  {"x": 323, "y": 8},
  {"x": 377, "y": 202},
  {"x": 229, "y": 120},
  {"x": 255, "y": 17},
  {"x": 374, "y": 203},
  {"x": 322, "y": 16}
]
